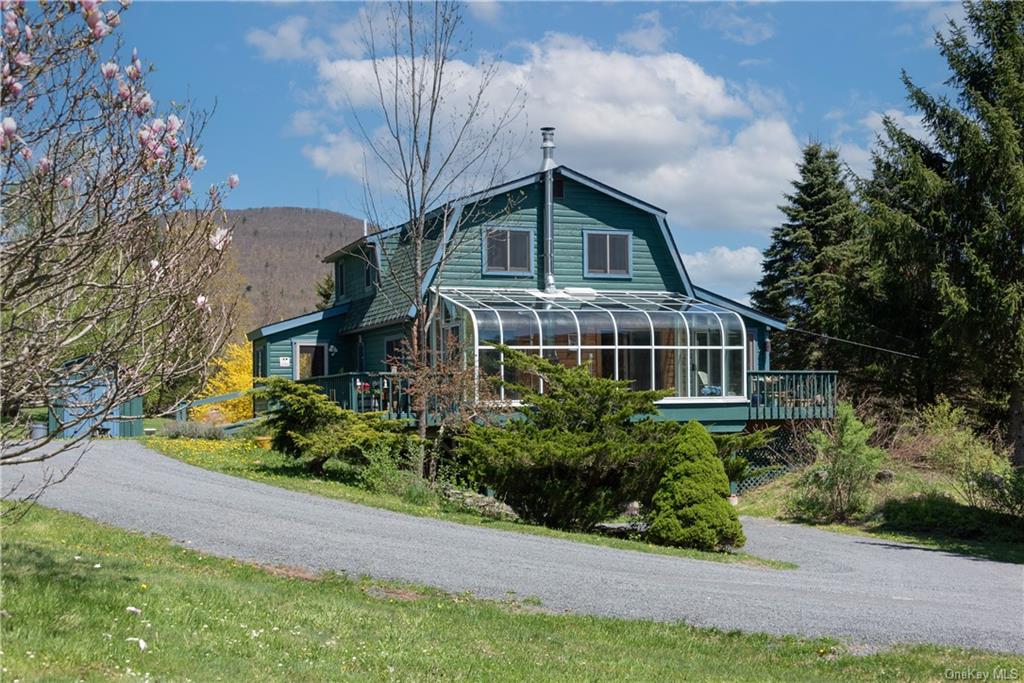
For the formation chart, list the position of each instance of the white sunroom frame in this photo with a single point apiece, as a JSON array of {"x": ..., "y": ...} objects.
[{"x": 472, "y": 299}]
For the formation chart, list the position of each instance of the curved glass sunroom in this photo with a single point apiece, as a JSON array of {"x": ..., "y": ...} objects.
[{"x": 656, "y": 340}]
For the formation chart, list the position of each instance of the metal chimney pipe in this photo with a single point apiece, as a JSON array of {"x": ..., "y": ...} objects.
[{"x": 547, "y": 146}]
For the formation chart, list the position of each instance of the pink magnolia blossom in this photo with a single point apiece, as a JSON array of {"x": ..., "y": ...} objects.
[
  {"x": 171, "y": 141},
  {"x": 65, "y": 182},
  {"x": 143, "y": 104},
  {"x": 185, "y": 184},
  {"x": 26, "y": 153},
  {"x": 92, "y": 18},
  {"x": 173, "y": 124},
  {"x": 144, "y": 134},
  {"x": 109, "y": 70},
  {"x": 43, "y": 165},
  {"x": 220, "y": 238},
  {"x": 28, "y": 32},
  {"x": 233, "y": 180},
  {"x": 31, "y": 102},
  {"x": 11, "y": 28},
  {"x": 199, "y": 162},
  {"x": 10, "y": 126},
  {"x": 213, "y": 190},
  {"x": 100, "y": 30},
  {"x": 113, "y": 18},
  {"x": 124, "y": 92},
  {"x": 22, "y": 59},
  {"x": 157, "y": 125},
  {"x": 160, "y": 152},
  {"x": 89, "y": 5},
  {"x": 15, "y": 88},
  {"x": 126, "y": 3}
]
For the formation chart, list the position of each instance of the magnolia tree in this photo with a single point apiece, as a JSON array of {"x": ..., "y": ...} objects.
[{"x": 106, "y": 251}]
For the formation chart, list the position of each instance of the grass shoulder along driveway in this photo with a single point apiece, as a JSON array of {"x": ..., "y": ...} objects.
[
  {"x": 915, "y": 506},
  {"x": 85, "y": 601},
  {"x": 242, "y": 458}
]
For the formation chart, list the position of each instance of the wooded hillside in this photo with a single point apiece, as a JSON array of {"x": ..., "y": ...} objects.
[{"x": 278, "y": 251}]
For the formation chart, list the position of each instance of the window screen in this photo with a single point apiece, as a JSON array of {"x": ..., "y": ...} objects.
[
  {"x": 508, "y": 251},
  {"x": 608, "y": 253}
]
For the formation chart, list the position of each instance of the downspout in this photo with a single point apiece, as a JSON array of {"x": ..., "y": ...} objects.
[{"x": 548, "y": 167}]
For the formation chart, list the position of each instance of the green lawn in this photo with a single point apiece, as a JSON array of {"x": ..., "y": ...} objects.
[
  {"x": 995, "y": 541},
  {"x": 68, "y": 583},
  {"x": 242, "y": 458}
]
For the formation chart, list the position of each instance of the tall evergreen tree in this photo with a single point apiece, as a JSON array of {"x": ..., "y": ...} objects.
[
  {"x": 802, "y": 264},
  {"x": 971, "y": 172}
]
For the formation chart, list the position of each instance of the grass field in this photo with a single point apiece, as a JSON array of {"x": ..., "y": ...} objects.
[
  {"x": 241, "y": 458},
  {"x": 890, "y": 505},
  {"x": 68, "y": 584}
]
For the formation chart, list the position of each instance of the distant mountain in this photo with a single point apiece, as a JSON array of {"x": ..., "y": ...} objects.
[{"x": 278, "y": 251}]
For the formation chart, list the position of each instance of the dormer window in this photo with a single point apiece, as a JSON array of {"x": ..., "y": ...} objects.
[
  {"x": 608, "y": 254},
  {"x": 508, "y": 252}
]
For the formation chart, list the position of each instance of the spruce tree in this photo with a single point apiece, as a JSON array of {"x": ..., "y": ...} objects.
[
  {"x": 802, "y": 263},
  {"x": 971, "y": 171}
]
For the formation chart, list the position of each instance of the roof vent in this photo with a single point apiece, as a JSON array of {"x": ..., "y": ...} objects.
[{"x": 547, "y": 145}]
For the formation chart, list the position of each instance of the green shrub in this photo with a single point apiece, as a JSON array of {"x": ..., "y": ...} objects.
[
  {"x": 193, "y": 430},
  {"x": 296, "y": 410},
  {"x": 966, "y": 459},
  {"x": 346, "y": 442},
  {"x": 1003, "y": 492},
  {"x": 574, "y": 455},
  {"x": 382, "y": 472},
  {"x": 836, "y": 486},
  {"x": 691, "y": 506},
  {"x": 939, "y": 514}
]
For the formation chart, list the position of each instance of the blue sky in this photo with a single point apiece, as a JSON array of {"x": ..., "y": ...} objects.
[{"x": 699, "y": 108}]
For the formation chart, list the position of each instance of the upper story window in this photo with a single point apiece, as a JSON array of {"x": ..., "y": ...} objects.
[
  {"x": 370, "y": 272},
  {"x": 608, "y": 254},
  {"x": 508, "y": 251},
  {"x": 339, "y": 279}
]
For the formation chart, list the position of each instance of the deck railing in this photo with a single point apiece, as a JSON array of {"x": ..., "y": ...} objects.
[
  {"x": 792, "y": 394},
  {"x": 367, "y": 392}
]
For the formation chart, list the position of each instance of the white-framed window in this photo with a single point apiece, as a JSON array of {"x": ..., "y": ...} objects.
[
  {"x": 508, "y": 251},
  {"x": 607, "y": 253},
  {"x": 310, "y": 360}
]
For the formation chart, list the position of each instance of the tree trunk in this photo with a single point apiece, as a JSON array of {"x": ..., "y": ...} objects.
[{"x": 1017, "y": 423}]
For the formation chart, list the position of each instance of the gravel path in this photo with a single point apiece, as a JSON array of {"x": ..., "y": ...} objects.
[{"x": 860, "y": 590}]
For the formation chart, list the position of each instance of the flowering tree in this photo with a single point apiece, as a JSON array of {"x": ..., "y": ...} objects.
[{"x": 105, "y": 253}]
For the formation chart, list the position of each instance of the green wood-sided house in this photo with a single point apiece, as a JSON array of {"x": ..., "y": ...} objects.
[{"x": 557, "y": 264}]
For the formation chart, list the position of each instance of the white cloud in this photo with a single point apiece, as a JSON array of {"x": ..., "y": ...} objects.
[
  {"x": 716, "y": 155},
  {"x": 647, "y": 34},
  {"x": 287, "y": 40},
  {"x": 755, "y": 62},
  {"x": 305, "y": 123},
  {"x": 730, "y": 272},
  {"x": 739, "y": 27},
  {"x": 911, "y": 123},
  {"x": 337, "y": 154},
  {"x": 487, "y": 11}
]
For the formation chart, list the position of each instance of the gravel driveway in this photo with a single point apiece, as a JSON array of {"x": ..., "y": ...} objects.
[{"x": 860, "y": 590}]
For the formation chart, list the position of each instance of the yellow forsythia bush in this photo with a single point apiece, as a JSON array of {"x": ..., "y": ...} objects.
[{"x": 231, "y": 372}]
